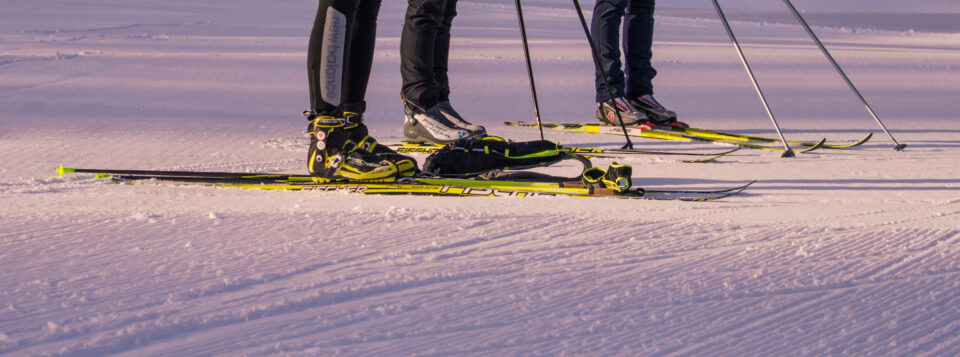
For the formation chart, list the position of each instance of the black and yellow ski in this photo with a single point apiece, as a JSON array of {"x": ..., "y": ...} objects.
[
  {"x": 429, "y": 148},
  {"x": 742, "y": 137},
  {"x": 404, "y": 186},
  {"x": 690, "y": 134},
  {"x": 661, "y": 134}
]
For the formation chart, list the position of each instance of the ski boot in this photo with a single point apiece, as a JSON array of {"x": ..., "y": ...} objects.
[
  {"x": 606, "y": 112},
  {"x": 451, "y": 114},
  {"x": 656, "y": 113},
  {"x": 431, "y": 125},
  {"x": 340, "y": 149}
]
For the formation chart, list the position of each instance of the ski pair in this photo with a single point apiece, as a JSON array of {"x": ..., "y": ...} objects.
[
  {"x": 405, "y": 186},
  {"x": 693, "y": 134}
]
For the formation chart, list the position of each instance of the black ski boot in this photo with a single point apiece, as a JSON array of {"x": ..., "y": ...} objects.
[
  {"x": 607, "y": 112},
  {"x": 454, "y": 117},
  {"x": 656, "y": 113},
  {"x": 341, "y": 149},
  {"x": 431, "y": 126}
]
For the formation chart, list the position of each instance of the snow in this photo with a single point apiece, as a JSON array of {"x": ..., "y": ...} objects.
[{"x": 833, "y": 252}]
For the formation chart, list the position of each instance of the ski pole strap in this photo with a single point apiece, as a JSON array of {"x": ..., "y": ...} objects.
[{"x": 617, "y": 177}]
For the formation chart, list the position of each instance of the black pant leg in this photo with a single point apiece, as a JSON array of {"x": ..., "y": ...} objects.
[
  {"x": 418, "y": 45},
  {"x": 361, "y": 51},
  {"x": 340, "y": 54},
  {"x": 637, "y": 45},
  {"x": 605, "y": 30},
  {"x": 441, "y": 53}
]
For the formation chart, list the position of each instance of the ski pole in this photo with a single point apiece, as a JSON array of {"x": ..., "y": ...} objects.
[
  {"x": 788, "y": 151},
  {"x": 526, "y": 54},
  {"x": 603, "y": 75},
  {"x": 899, "y": 146}
]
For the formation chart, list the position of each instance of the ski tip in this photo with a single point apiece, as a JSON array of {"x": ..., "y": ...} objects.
[
  {"x": 735, "y": 148},
  {"x": 820, "y": 144},
  {"x": 854, "y": 144},
  {"x": 64, "y": 170},
  {"x": 816, "y": 146},
  {"x": 714, "y": 157}
]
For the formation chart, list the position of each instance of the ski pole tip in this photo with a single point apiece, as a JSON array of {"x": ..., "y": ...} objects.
[
  {"x": 900, "y": 147},
  {"x": 788, "y": 153}
]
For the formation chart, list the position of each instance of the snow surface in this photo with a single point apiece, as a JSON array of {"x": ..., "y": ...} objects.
[{"x": 851, "y": 252}]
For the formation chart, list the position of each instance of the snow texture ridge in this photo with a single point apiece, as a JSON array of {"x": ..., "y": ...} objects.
[{"x": 836, "y": 252}]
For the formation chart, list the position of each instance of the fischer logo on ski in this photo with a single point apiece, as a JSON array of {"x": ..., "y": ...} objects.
[
  {"x": 340, "y": 188},
  {"x": 491, "y": 192}
]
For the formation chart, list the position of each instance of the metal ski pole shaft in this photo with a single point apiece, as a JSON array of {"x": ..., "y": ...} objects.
[
  {"x": 899, "y": 146},
  {"x": 597, "y": 60},
  {"x": 526, "y": 54},
  {"x": 788, "y": 151}
]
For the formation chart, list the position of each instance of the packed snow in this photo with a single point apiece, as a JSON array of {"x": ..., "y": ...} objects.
[{"x": 853, "y": 252}]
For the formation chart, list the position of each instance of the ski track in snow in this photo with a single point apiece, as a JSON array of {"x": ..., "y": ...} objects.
[
  {"x": 615, "y": 285},
  {"x": 853, "y": 252}
]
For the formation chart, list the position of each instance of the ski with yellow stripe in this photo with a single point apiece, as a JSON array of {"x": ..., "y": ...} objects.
[
  {"x": 429, "y": 148},
  {"x": 693, "y": 134},
  {"x": 405, "y": 186}
]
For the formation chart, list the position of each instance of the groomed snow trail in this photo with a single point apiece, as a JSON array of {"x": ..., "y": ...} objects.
[{"x": 851, "y": 252}]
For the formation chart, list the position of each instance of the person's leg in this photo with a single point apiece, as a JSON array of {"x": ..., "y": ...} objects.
[
  {"x": 360, "y": 55},
  {"x": 605, "y": 30},
  {"x": 424, "y": 46},
  {"x": 637, "y": 44},
  {"x": 338, "y": 67},
  {"x": 418, "y": 46},
  {"x": 327, "y": 52},
  {"x": 441, "y": 53},
  {"x": 612, "y": 107}
]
